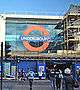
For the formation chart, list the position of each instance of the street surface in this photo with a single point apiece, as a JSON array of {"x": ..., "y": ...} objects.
[{"x": 24, "y": 85}]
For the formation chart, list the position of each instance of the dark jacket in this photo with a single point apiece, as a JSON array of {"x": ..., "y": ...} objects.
[
  {"x": 52, "y": 75},
  {"x": 69, "y": 82}
]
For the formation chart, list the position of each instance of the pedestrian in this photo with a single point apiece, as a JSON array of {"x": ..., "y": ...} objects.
[
  {"x": 58, "y": 79},
  {"x": 19, "y": 75},
  {"x": 30, "y": 76},
  {"x": 22, "y": 74},
  {"x": 68, "y": 80},
  {"x": 52, "y": 78},
  {"x": 47, "y": 73}
]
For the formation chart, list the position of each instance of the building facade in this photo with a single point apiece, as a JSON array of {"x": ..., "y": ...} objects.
[
  {"x": 37, "y": 42},
  {"x": 33, "y": 40}
]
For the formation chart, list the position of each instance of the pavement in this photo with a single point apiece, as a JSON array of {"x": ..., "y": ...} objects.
[{"x": 24, "y": 85}]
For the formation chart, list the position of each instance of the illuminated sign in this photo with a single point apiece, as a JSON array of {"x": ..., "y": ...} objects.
[{"x": 27, "y": 44}]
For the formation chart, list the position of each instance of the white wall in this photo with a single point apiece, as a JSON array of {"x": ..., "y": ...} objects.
[{"x": 2, "y": 30}]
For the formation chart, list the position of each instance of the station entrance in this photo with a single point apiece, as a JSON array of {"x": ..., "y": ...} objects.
[
  {"x": 56, "y": 66},
  {"x": 40, "y": 67}
]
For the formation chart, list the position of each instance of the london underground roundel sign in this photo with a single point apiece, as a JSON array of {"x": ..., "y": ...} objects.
[{"x": 44, "y": 33}]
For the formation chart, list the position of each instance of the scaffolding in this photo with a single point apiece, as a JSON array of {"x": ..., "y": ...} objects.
[{"x": 72, "y": 30}]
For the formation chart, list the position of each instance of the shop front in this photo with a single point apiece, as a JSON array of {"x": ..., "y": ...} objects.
[{"x": 12, "y": 70}]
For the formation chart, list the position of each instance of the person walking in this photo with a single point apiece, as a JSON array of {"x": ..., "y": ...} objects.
[
  {"x": 58, "y": 79},
  {"x": 68, "y": 80},
  {"x": 52, "y": 78},
  {"x": 30, "y": 78},
  {"x": 47, "y": 73},
  {"x": 22, "y": 74}
]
